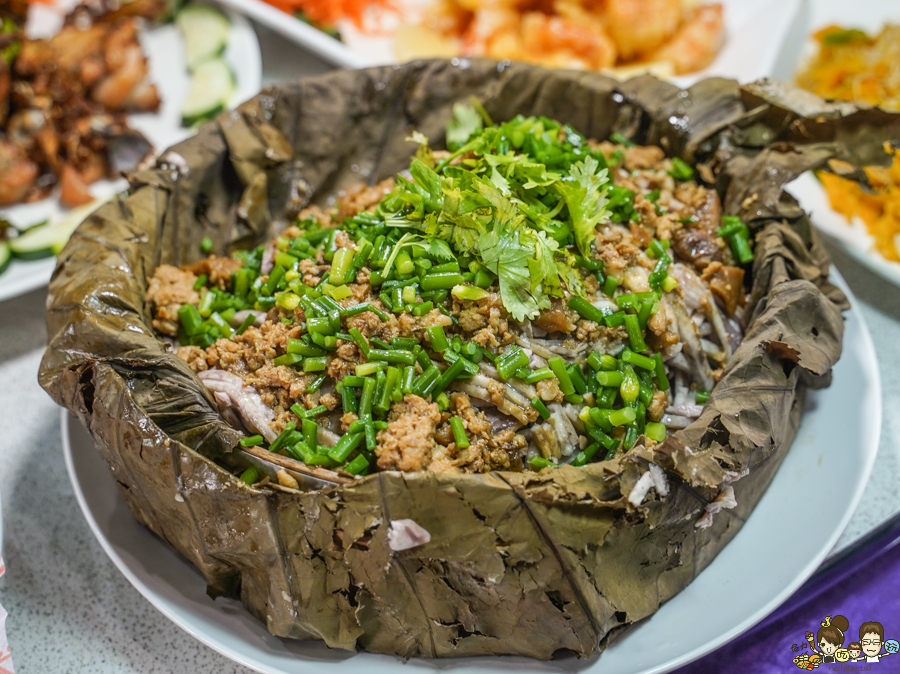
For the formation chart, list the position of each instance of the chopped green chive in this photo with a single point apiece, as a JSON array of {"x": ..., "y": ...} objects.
[
  {"x": 662, "y": 381},
  {"x": 437, "y": 338},
  {"x": 345, "y": 446},
  {"x": 681, "y": 170},
  {"x": 247, "y": 322},
  {"x": 252, "y": 441},
  {"x": 509, "y": 362},
  {"x": 459, "y": 432},
  {"x": 655, "y": 431},
  {"x": 638, "y": 360},
  {"x": 315, "y": 364},
  {"x": 358, "y": 466},
  {"x": 738, "y": 236},
  {"x": 471, "y": 293},
  {"x": 559, "y": 369},
  {"x": 539, "y": 375},
  {"x": 392, "y": 356},
  {"x": 541, "y": 408},
  {"x": 633, "y": 328},
  {"x": 369, "y": 430},
  {"x": 310, "y": 432},
  {"x": 288, "y": 359},
  {"x": 631, "y": 385},
  {"x": 602, "y": 438},
  {"x": 316, "y": 383},
  {"x": 190, "y": 318},
  {"x": 609, "y": 378},
  {"x": 622, "y": 417},
  {"x": 584, "y": 456},
  {"x": 360, "y": 341},
  {"x": 585, "y": 309},
  {"x": 441, "y": 281},
  {"x": 539, "y": 463},
  {"x": 610, "y": 285},
  {"x": 250, "y": 476},
  {"x": 370, "y": 368},
  {"x": 367, "y": 397},
  {"x": 279, "y": 442},
  {"x": 422, "y": 308}
]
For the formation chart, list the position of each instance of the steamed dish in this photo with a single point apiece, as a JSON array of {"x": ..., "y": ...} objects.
[
  {"x": 453, "y": 563},
  {"x": 524, "y": 299}
]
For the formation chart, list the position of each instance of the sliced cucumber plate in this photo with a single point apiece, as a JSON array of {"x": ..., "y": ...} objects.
[
  {"x": 5, "y": 255},
  {"x": 212, "y": 89},
  {"x": 49, "y": 239},
  {"x": 205, "y": 31}
]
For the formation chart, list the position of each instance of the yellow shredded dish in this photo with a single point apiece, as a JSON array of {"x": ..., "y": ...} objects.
[
  {"x": 853, "y": 66},
  {"x": 879, "y": 209}
]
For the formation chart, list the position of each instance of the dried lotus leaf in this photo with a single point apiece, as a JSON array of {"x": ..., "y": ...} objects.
[{"x": 517, "y": 563}]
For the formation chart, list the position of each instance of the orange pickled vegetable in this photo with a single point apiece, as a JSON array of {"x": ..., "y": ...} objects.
[
  {"x": 329, "y": 12},
  {"x": 879, "y": 209},
  {"x": 852, "y": 66}
]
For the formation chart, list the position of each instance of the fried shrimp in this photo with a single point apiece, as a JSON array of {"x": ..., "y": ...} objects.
[{"x": 577, "y": 34}]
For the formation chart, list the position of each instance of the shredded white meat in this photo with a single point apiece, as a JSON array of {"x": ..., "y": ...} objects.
[
  {"x": 231, "y": 393},
  {"x": 724, "y": 501},
  {"x": 406, "y": 534}
]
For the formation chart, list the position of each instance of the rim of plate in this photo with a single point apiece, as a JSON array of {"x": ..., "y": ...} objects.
[
  {"x": 318, "y": 42},
  {"x": 869, "y": 372}
]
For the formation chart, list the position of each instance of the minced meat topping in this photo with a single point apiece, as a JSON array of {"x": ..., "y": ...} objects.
[{"x": 523, "y": 299}]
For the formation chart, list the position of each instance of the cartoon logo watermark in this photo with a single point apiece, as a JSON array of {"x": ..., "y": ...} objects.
[{"x": 832, "y": 645}]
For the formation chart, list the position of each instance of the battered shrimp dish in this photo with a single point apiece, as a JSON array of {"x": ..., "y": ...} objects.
[
  {"x": 678, "y": 37},
  {"x": 523, "y": 299},
  {"x": 63, "y": 101}
]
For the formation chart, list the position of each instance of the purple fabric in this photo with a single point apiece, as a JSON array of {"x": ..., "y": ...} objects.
[{"x": 863, "y": 587}]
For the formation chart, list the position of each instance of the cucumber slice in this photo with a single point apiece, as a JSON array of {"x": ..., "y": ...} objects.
[
  {"x": 5, "y": 255},
  {"x": 205, "y": 31},
  {"x": 212, "y": 88},
  {"x": 49, "y": 239}
]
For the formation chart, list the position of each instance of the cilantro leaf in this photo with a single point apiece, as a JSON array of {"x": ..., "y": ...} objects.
[
  {"x": 463, "y": 231},
  {"x": 440, "y": 250},
  {"x": 585, "y": 197},
  {"x": 423, "y": 152},
  {"x": 430, "y": 184},
  {"x": 466, "y": 121},
  {"x": 504, "y": 254},
  {"x": 509, "y": 250},
  {"x": 542, "y": 267},
  {"x": 568, "y": 272}
]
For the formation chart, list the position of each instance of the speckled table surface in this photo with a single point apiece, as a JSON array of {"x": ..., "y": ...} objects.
[{"x": 70, "y": 610}]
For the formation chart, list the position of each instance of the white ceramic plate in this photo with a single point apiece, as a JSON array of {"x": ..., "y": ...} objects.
[
  {"x": 793, "y": 528},
  {"x": 870, "y": 16},
  {"x": 165, "y": 54},
  {"x": 755, "y": 31}
]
